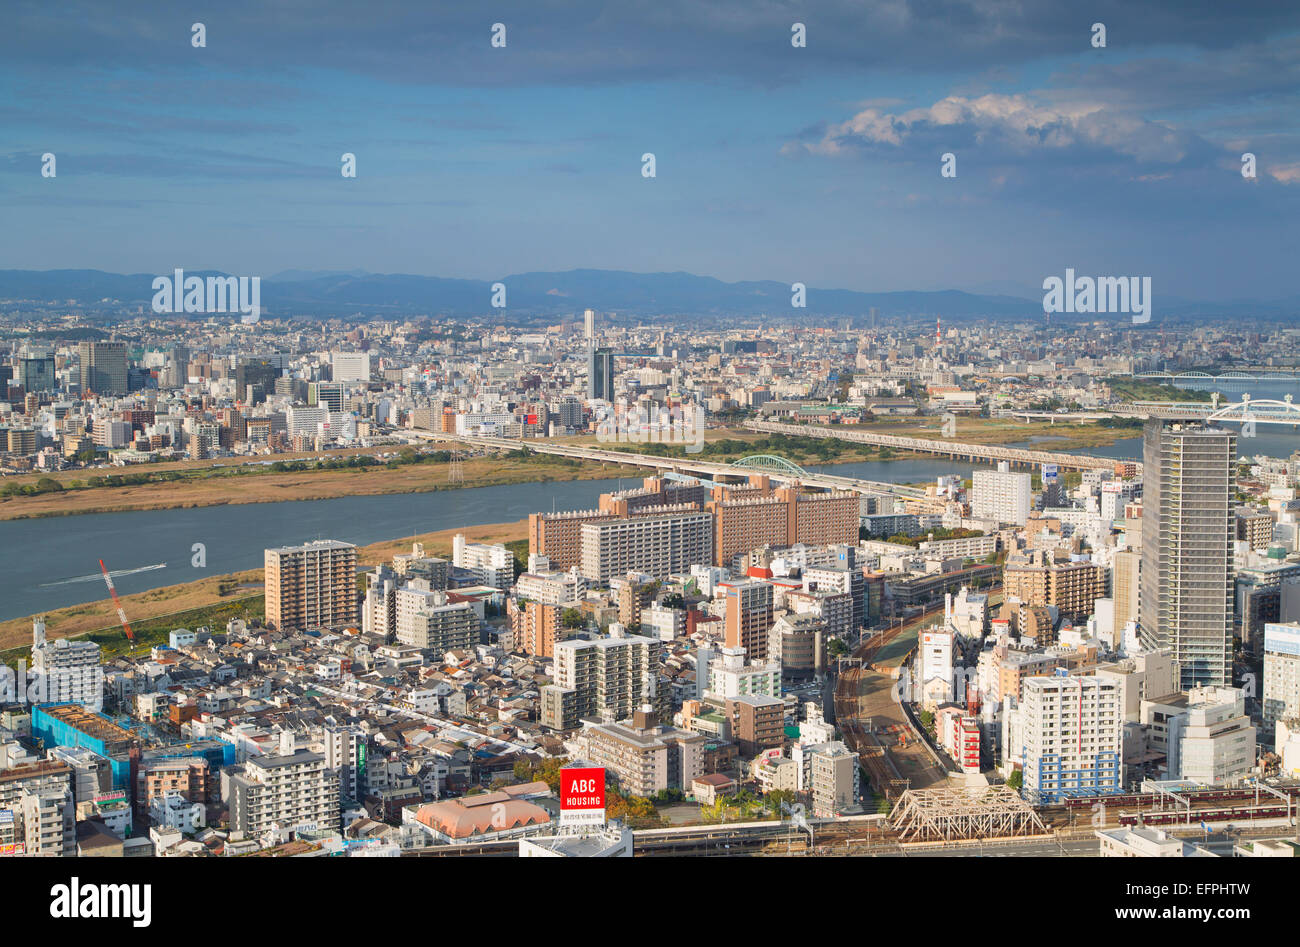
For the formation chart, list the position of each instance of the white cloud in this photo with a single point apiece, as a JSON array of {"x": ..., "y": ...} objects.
[{"x": 1014, "y": 123}]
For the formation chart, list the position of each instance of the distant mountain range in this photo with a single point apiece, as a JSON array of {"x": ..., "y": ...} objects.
[{"x": 303, "y": 292}]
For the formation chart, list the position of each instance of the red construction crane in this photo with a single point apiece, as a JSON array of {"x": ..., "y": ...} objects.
[{"x": 121, "y": 614}]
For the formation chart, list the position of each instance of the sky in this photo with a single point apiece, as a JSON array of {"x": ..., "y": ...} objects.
[{"x": 819, "y": 164}]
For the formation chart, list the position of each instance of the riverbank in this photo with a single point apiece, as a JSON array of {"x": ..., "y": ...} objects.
[
  {"x": 273, "y": 487},
  {"x": 238, "y": 481},
  {"x": 143, "y": 609}
]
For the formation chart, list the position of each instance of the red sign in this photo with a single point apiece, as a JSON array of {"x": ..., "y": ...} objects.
[
  {"x": 532, "y": 419},
  {"x": 582, "y": 788}
]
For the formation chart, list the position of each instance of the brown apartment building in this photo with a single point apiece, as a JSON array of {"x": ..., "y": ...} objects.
[
  {"x": 1072, "y": 587},
  {"x": 312, "y": 585},
  {"x": 780, "y": 518},
  {"x": 757, "y": 723},
  {"x": 749, "y": 617}
]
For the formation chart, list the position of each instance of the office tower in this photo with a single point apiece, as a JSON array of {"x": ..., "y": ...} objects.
[
  {"x": 749, "y": 617},
  {"x": 426, "y": 620},
  {"x": 35, "y": 371},
  {"x": 657, "y": 544},
  {"x": 351, "y": 366},
  {"x": 251, "y": 372},
  {"x": 311, "y": 585},
  {"x": 68, "y": 671},
  {"x": 600, "y": 375},
  {"x": 176, "y": 374},
  {"x": 1072, "y": 730},
  {"x": 607, "y": 678},
  {"x": 294, "y": 793},
  {"x": 37, "y": 811},
  {"x": 836, "y": 782},
  {"x": 1187, "y": 535},
  {"x": 103, "y": 367},
  {"x": 1000, "y": 495},
  {"x": 589, "y": 325},
  {"x": 326, "y": 395},
  {"x": 1281, "y": 673}
]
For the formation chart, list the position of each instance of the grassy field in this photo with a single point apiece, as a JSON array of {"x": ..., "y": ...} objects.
[
  {"x": 182, "y": 606},
  {"x": 269, "y": 487}
]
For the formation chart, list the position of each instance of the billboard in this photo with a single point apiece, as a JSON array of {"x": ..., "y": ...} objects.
[
  {"x": 1050, "y": 473},
  {"x": 582, "y": 795}
]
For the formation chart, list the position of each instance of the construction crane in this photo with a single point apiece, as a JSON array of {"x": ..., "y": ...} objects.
[{"x": 121, "y": 613}]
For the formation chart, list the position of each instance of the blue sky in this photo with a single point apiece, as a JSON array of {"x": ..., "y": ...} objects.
[{"x": 819, "y": 165}]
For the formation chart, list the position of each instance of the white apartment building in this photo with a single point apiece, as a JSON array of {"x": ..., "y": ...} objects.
[
  {"x": 494, "y": 565},
  {"x": 1281, "y": 672},
  {"x": 426, "y": 620},
  {"x": 647, "y": 759},
  {"x": 664, "y": 623},
  {"x": 344, "y": 749},
  {"x": 304, "y": 420},
  {"x": 351, "y": 366},
  {"x": 607, "y": 678},
  {"x": 1208, "y": 736},
  {"x": 173, "y": 811},
  {"x": 1071, "y": 730},
  {"x": 1001, "y": 495},
  {"x": 293, "y": 793},
  {"x": 729, "y": 676},
  {"x": 552, "y": 588},
  {"x": 658, "y": 545},
  {"x": 936, "y": 656},
  {"x": 65, "y": 671},
  {"x": 835, "y": 780}
]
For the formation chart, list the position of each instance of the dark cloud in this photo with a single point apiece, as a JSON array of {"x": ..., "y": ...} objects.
[{"x": 565, "y": 42}]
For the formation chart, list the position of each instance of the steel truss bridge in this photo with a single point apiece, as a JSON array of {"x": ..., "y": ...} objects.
[
  {"x": 1245, "y": 411},
  {"x": 944, "y": 814},
  {"x": 1238, "y": 376}
]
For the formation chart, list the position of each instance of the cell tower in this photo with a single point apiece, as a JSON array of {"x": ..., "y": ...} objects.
[{"x": 937, "y": 324}]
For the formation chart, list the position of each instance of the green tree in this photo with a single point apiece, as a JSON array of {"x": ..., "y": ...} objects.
[{"x": 1016, "y": 780}]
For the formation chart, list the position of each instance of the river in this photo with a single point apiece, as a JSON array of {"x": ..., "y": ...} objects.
[{"x": 54, "y": 562}]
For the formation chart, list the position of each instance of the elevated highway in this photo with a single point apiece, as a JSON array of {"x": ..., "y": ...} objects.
[
  {"x": 990, "y": 453},
  {"x": 681, "y": 465}
]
